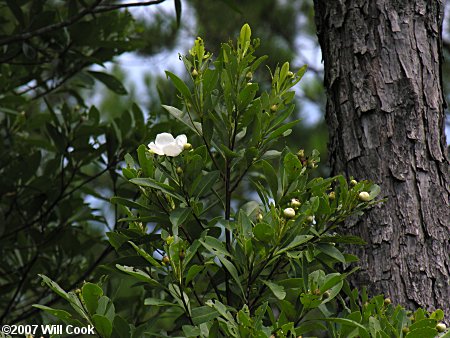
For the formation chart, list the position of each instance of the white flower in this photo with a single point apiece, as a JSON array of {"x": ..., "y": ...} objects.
[{"x": 165, "y": 144}]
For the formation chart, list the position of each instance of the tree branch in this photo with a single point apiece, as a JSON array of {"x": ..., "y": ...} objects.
[
  {"x": 102, "y": 256},
  {"x": 94, "y": 9}
]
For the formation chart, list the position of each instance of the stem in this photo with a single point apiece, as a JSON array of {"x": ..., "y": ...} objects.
[
  {"x": 216, "y": 290},
  {"x": 186, "y": 308},
  {"x": 264, "y": 286},
  {"x": 227, "y": 231}
]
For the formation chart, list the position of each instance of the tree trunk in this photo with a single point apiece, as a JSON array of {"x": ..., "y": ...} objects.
[{"x": 385, "y": 114}]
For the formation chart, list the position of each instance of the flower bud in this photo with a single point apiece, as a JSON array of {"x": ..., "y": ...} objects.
[
  {"x": 332, "y": 195},
  {"x": 405, "y": 330},
  {"x": 259, "y": 217},
  {"x": 301, "y": 153},
  {"x": 194, "y": 73},
  {"x": 364, "y": 196},
  {"x": 179, "y": 170},
  {"x": 290, "y": 74},
  {"x": 273, "y": 108},
  {"x": 289, "y": 213},
  {"x": 187, "y": 146},
  {"x": 165, "y": 260},
  {"x": 353, "y": 183},
  {"x": 310, "y": 219},
  {"x": 249, "y": 76},
  {"x": 169, "y": 240},
  {"x": 312, "y": 164},
  {"x": 441, "y": 327},
  {"x": 295, "y": 203},
  {"x": 387, "y": 301}
]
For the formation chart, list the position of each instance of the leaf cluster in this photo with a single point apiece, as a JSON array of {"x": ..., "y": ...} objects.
[{"x": 213, "y": 265}]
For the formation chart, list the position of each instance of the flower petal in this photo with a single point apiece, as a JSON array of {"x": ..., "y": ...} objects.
[
  {"x": 181, "y": 140},
  {"x": 164, "y": 139},
  {"x": 172, "y": 150},
  {"x": 157, "y": 150}
]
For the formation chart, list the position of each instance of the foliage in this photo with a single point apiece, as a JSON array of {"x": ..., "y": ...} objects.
[
  {"x": 216, "y": 265},
  {"x": 58, "y": 153}
]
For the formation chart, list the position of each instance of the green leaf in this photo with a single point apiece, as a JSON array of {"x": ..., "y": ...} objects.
[
  {"x": 180, "y": 85},
  {"x": 145, "y": 163},
  {"x": 158, "y": 302},
  {"x": 280, "y": 130},
  {"x": 91, "y": 293},
  {"x": 129, "y": 203},
  {"x": 247, "y": 95},
  {"x": 179, "y": 216},
  {"x": 344, "y": 321},
  {"x": 55, "y": 287},
  {"x": 271, "y": 178},
  {"x": 331, "y": 280},
  {"x": 331, "y": 251},
  {"x": 116, "y": 239},
  {"x": 102, "y": 325},
  {"x": 264, "y": 232},
  {"x": 16, "y": 10},
  {"x": 151, "y": 183},
  {"x": 204, "y": 183},
  {"x": 310, "y": 326},
  {"x": 276, "y": 289},
  {"x": 214, "y": 246},
  {"x": 193, "y": 271},
  {"x": 203, "y": 314},
  {"x": 178, "y": 11},
  {"x": 184, "y": 117},
  {"x": 284, "y": 71},
  {"x": 149, "y": 258},
  {"x": 427, "y": 322},
  {"x": 139, "y": 274},
  {"x": 232, "y": 270},
  {"x": 374, "y": 191},
  {"x": 121, "y": 328},
  {"x": 424, "y": 332},
  {"x": 297, "y": 241},
  {"x": 438, "y": 315},
  {"x": 61, "y": 314},
  {"x": 110, "y": 81}
]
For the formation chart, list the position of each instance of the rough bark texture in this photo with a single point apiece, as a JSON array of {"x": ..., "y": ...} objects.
[{"x": 385, "y": 114}]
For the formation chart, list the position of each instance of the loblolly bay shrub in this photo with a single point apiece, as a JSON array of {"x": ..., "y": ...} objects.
[{"x": 230, "y": 234}]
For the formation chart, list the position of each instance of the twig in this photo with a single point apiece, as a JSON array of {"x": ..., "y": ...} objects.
[
  {"x": 94, "y": 9},
  {"x": 19, "y": 287},
  {"x": 103, "y": 255}
]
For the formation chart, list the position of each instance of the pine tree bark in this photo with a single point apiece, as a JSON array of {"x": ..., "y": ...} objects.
[{"x": 385, "y": 114}]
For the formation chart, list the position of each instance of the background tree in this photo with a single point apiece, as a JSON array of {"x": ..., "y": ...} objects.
[
  {"x": 57, "y": 151},
  {"x": 385, "y": 113}
]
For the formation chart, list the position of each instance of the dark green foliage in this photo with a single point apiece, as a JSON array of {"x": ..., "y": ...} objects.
[
  {"x": 59, "y": 156},
  {"x": 210, "y": 265}
]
